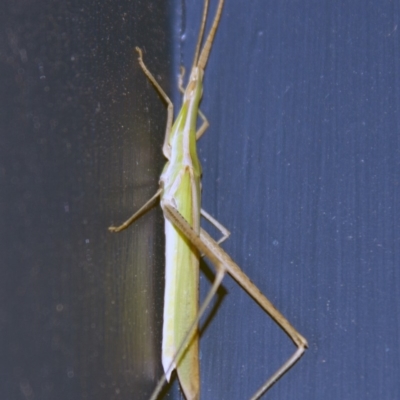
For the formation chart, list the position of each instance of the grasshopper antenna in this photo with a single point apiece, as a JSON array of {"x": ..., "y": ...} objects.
[
  {"x": 201, "y": 33},
  {"x": 207, "y": 45}
]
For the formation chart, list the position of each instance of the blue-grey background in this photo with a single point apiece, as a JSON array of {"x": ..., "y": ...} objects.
[{"x": 301, "y": 163}]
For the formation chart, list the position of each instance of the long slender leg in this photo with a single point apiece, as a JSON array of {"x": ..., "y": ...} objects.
[
  {"x": 206, "y": 244},
  {"x": 279, "y": 373},
  {"x": 243, "y": 280},
  {"x": 217, "y": 224},
  {"x": 170, "y": 106},
  {"x": 146, "y": 207},
  {"x": 203, "y": 126}
]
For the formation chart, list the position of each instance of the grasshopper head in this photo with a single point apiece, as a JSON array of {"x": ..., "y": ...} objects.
[{"x": 194, "y": 88}]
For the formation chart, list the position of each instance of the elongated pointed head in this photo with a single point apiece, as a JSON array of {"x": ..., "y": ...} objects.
[{"x": 194, "y": 89}]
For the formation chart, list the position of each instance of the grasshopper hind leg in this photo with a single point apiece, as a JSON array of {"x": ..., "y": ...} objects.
[{"x": 223, "y": 263}]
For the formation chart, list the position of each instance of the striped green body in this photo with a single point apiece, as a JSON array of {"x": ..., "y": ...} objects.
[{"x": 180, "y": 181}]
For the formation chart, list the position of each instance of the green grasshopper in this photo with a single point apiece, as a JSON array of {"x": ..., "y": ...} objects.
[{"x": 186, "y": 241}]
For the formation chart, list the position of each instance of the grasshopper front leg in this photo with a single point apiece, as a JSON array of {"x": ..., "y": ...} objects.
[{"x": 163, "y": 95}]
